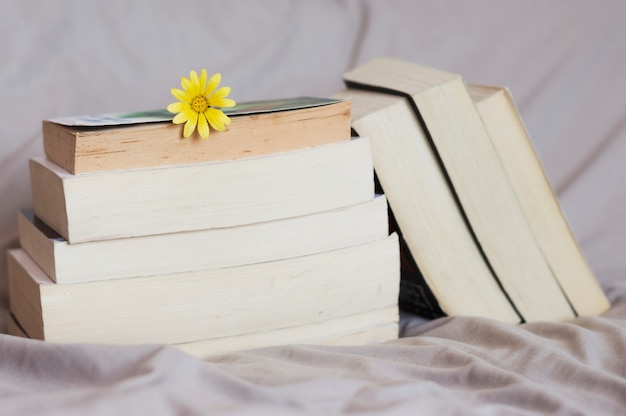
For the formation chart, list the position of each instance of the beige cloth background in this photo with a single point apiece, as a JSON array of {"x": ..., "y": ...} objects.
[{"x": 565, "y": 63}]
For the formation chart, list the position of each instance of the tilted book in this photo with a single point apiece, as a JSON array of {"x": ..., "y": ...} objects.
[
  {"x": 537, "y": 199},
  {"x": 443, "y": 270}
]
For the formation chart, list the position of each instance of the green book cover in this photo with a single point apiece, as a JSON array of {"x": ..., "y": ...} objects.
[{"x": 154, "y": 116}]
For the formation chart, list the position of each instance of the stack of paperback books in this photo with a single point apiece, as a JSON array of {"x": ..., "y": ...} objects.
[
  {"x": 274, "y": 231},
  {"x": 267, "y": 233}
]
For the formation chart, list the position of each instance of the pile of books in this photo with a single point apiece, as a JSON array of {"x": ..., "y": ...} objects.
[
  {"x": 274, "y": 231},
  {"x": 482, "y": 232},
  {"x": 268, "y": 233}
]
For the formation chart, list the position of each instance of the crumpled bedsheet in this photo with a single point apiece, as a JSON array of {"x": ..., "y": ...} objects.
[{"x": 565, "y": 64}]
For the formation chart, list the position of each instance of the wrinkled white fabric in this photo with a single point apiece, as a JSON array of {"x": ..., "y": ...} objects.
[{"x": 565, "y": 64}]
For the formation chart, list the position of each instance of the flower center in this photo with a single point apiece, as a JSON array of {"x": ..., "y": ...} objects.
[{"x": 199, "y": 104}]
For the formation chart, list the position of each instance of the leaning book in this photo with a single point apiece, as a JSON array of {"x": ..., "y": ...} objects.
[
  {"x": 444, "y": 272},
  {"x": 537, "y": 199}
]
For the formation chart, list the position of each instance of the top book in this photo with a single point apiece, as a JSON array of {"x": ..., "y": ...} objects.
[{"x": 148, "y": 139}]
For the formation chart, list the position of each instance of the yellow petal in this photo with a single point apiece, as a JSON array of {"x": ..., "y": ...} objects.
[
  {"x": 180, "y": 118},
  {"x": 203, "y": 77},
  {"x": 186, "y": 84},
  {"x": 227, "y": 102},
  {"x": 217, "y": 119},
  {"x": 221, "y": 92},
  {"x": 180, "y": 95},
  {"x": 218, "y": 99},
  {"x": 218, "y": 96},
  {"x": 178, "y": 107},
  {"x": 195, "y": 83},
  {"x": 185, "y": 115},
  {"x": 203, "y": 126},
  {"x": 190, "y": 125},
  {"x": 213, "y": 83}
]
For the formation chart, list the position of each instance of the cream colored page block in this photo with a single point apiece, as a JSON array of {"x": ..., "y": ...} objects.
[
  {"x": 205, "y": 249},
  {"x": 541, "y": 207},
  {"x": 374, "y": 326},
  {"x": 216, "y": 303},
  {"x": 99, "y": 206}
]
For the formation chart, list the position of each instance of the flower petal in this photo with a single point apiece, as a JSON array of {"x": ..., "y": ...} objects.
[
  {"x": 202, "y": 80},
  {"x": 218, "y": 99},
  {"x": 180, "y": 95},
  {"x": 195, "y": 83},
  {"x": 186, "y": 84},
  {"x": 220, "y": 102},
  {"x": 178, "y": 107},
  {"x": 213, "y": 83},
  {"x": 221, "y": 92},
  {"x": 226, "y": 102},
  {"x": 217, "y": 119},
  {"x": 203, "y": 126},
  {"x": 180, "y": 118},
  {"x": 190, "y": 125},
  {"x": 184, "y": 116}
]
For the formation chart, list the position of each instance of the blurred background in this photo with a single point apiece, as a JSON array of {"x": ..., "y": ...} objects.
[{"x": 564, "y": 62}]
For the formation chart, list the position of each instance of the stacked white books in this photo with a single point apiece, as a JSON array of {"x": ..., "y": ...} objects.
[{"x": 139, "y": 236}]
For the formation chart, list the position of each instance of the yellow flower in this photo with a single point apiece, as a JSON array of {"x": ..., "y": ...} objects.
[{"x": 199, "y": 104}]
